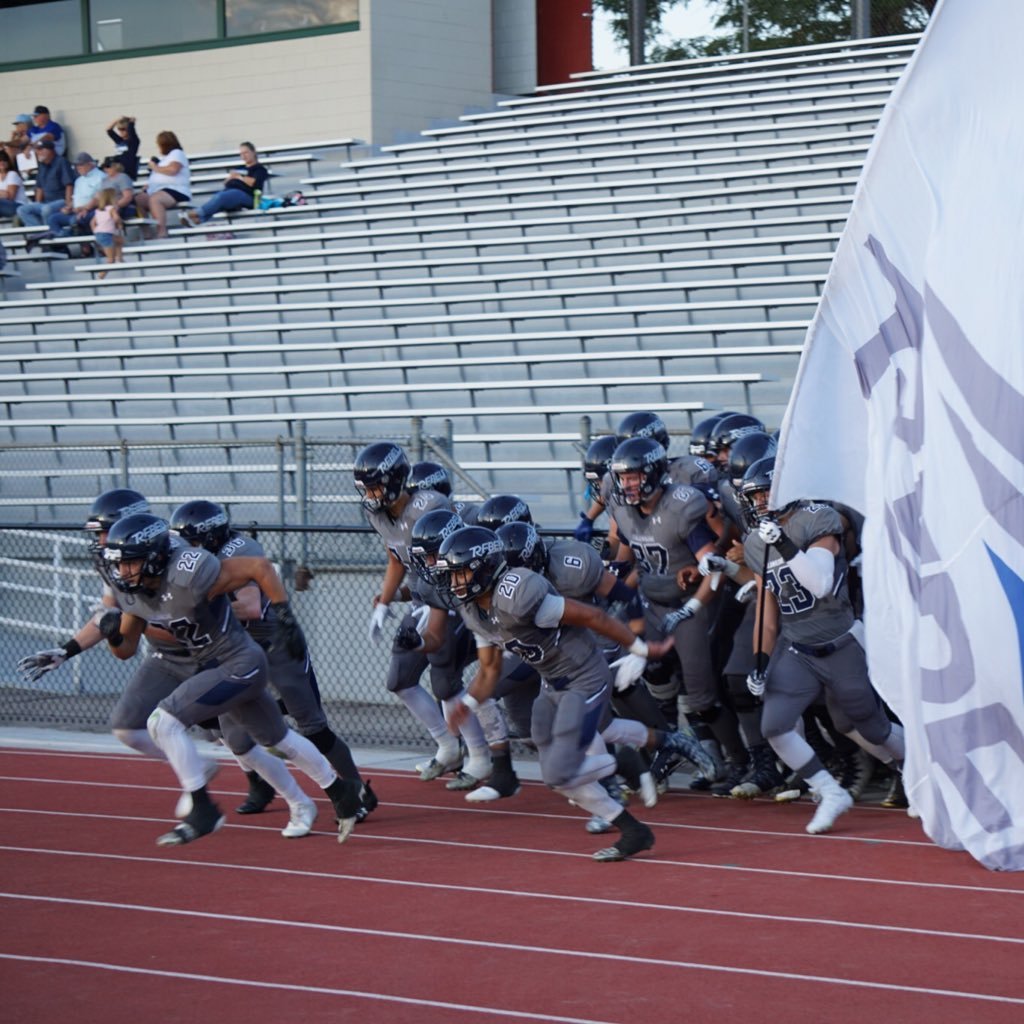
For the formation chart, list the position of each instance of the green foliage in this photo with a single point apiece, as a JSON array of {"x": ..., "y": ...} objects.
[{"x": 770, "y": 24}]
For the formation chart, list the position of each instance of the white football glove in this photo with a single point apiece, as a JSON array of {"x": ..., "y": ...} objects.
[
  {"x": 755, "y": 683},
  {"x": 769, "y": 531},
  {"x": 34, "y": 666},
  {"x": 630, "y": 667},
  {"x": 422, "y": 617},
  {"x": 717, "y": 563},
  {"x": 381, "y": 613},
  {"x": 747, "y": 592}
]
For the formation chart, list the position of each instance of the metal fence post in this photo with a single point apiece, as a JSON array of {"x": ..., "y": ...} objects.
[
  {"x": 637, "y": 31},
  {"x": 860, "y": 27},
  {"x": 416, "y": 438},
  {"x": 281, "y": 539},
  {"x": 302, "y": 486},
  {"x": 123, "y": 448}
]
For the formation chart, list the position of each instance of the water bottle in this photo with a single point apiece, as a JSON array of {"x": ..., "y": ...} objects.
[{"x": 257, "y": 198}]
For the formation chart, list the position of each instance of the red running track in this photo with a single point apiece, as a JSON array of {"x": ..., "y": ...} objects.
[{"x": 439, "y": 911}]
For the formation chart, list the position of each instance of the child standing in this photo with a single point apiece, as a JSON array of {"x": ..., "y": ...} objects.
[{"x": 108, "y": 227}]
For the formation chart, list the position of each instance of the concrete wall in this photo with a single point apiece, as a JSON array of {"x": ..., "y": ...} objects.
[
  {"x": 515, "y": 46},
  {"x": 412, "y": 61}
]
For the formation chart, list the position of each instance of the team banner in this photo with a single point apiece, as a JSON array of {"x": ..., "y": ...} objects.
[{"x": 909, "y": 406}]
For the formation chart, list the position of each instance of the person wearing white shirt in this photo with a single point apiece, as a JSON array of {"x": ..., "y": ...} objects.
[
  {"x": 170, "y": 182},
  {"x": 12, "y": 188}
]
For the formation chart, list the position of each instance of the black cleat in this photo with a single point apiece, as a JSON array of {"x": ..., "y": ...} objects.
[
  {"x": 368, "y": 803},
  {"x": 897, "y": 796},
  {"x": 199, "y": 822},
  {"x": 259, "y": 796},
  {"x": 346, "y": 800},
  {"x": 636, "y": 837},
  {"x": 735, "y": 773}
]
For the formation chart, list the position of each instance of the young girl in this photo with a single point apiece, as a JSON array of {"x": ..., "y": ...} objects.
[{"x": 108, "y": 227}]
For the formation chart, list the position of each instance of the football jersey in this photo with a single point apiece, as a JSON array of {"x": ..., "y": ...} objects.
[
  {"x": 732, "y": 508},
  {"x": 692, "y": 469},
  {"x": 238, "y": 545},
  {"x": 659, "y": 540},
  {"x": 466, "y": 511},
  {"x": 203, "y": 625},
  {"x": 575, "y": 569},
  {"x": 804, "y": 618},
  {"x": 558, "y": 653},
  {"x": 396, "y": 532}
]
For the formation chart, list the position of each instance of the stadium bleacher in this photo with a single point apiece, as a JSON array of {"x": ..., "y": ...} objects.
[{"x": 653, "y": 238}]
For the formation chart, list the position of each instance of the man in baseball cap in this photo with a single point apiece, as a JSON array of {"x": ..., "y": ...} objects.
[{"x": 45, "y": 129}]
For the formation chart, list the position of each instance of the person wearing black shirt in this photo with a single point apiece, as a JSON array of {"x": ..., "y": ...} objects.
[{"x": 240, "y": 186}]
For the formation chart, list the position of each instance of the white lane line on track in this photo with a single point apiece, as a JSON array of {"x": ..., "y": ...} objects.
[
  {"x": 508, "y": 810},
  {"x": 616, "y": 958}
]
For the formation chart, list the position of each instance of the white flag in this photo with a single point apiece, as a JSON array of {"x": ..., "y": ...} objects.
[{"x": 909, "y": 406}]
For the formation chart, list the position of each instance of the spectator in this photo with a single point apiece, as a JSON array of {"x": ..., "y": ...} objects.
[
  {"x": 46, "y": 130},
  {"x": 118, "y": 180},
  {"x": 77, "y": 215},
  {"x": 170, "y": 182},
  {"x": 240, "y": 186},
  {"x": 12, "y": 188},
  {"x": 107, "y": 226},
  {"x": 20, "y": 148},
  {"x": 126, "y": 144},
  {"x": 54, "y": 182}
]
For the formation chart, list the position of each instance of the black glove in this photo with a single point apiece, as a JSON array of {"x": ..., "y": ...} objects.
[
  {"x": 110, "y": 627},
  {"x": 289, "y": 633},
  {"x": 584, "y": 528},
  {"x": 407, "y": 638}
]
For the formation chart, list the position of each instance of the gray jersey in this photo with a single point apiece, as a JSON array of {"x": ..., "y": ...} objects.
[
  {"x": 203, "y": 625},
  {"x": 396, "y": 532},
  {"x": 692, "y": 469},
  {"x": 240, "y": 546},
  {"x": 467, "y": 511},
  {"x": 575, "y": 569},
  {"x": 805, "y": 619},
  {"x": 561, "y": 654},
  {"x": 732, "y": 508},
  {"x": 659, "y": 540},
  {"x": 157, "y": 644}
]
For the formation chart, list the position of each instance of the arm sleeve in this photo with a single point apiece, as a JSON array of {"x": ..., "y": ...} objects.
[{"x": 814, "y": 569}]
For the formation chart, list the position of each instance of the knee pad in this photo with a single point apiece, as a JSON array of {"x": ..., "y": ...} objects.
[
  {"x": 162, "y": 724},
  {"x": 661, "y": 679}
]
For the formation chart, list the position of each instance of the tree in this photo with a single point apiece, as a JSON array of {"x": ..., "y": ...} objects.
[{"x": 770, "y": 24}]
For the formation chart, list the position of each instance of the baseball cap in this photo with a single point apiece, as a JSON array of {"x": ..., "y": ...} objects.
[
  {"x": 84, "y": 158},
  {"x": 46, "y": 144},
  {"x": 40, "y": 109},
  {"x": 22, "y": 119}
]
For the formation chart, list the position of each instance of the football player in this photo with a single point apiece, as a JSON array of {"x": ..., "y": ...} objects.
[{"x": 163, "y": 581}]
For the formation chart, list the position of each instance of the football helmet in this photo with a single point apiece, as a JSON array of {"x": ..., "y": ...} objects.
[
  {"x": 202, "y": 523},
  {"x": 106, "y": 510},
  {"x": 730, "y": 429},
  {"x": 597, "y": 460},
  {"x": 429, "y": 476},
  {"x": 524, "y": 546},
  {"x": 701, "y": 434},
  {"x": 646, "y": 460},
  {"x": 381, "y": 470},
  {"x": 745, "y": 452},
  {"x": 755, "y": 490},
  {"x": 644, "y": 424},
  {"x": 469, "y": 562},
  {"x": 502, "y": 509},
  {"x": 425, "y": 539},
  {"x": 145, "y": 541}
]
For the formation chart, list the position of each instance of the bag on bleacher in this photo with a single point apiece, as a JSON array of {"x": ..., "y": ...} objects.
[
  {"x": 294, "y": 199},
  {"x": 271, "y": 203}
]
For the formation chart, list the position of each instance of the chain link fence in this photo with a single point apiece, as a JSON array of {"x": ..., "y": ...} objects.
[{"x": 48, "y": 588}]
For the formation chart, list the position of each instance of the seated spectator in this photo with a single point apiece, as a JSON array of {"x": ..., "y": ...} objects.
[
  {"x": 118, "y": 180},
  {"x": 240, "y": 186},
  {"x": 126, "y": 144},
  {"x": 78, "y": 215},
  {"x": 107, "y": 227},
  {"x": 20, "y": 149},
  {"x": 54, "y": 183},
  {"x": 12, "y": 188},
  {"x": 44, "y": 129},
  {"x": 170, "y": 182}
]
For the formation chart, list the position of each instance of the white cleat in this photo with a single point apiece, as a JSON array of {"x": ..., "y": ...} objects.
[
  {"x": 648, "y": 790},
  {"x": 832, "y": 802},
  {"x": 183, "y": 807},
  {"x": 598, "y": 825},
  {"x": 303, "y": 816}
]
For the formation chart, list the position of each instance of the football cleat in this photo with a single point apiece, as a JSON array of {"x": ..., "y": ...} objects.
[
  {"x": 897, "y": 796},
  {"x": 369, "y": 803},
  {"x": 636, "y": 837},
  {"x": 648, "y": 789},
  {"x": 300, "y": 824},
  {"x": 199, "y": 822},
  {"x": 598, "y": 825},
  {"x": 447, "y": 759},
  {"x": 734, "y": 773},
  {"x": 855, "y": 771},
  {"x": 498, "y": 787},
  {"x": 677, "y": 746},
  {"x": 832, "y": 801},
  {"x": 259, "y": 796},
  {"x": 345, "y": 798},
  {"x": 184, "y": 804},
  {"x": 763, "y": 776}
]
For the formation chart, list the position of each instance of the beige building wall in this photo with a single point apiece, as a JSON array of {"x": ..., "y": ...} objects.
[{"x": 410, "y": 62}]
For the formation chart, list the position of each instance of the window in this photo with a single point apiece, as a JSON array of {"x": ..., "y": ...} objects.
[
  {"x": 41, "y": 31},
  {"x": 257, "y": 17},
  {"x": 137, "y": 24}
]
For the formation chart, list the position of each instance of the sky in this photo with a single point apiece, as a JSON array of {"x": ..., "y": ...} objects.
[{"x": 680, "y": 23}]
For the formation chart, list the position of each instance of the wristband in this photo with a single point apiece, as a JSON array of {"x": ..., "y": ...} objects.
[
  {"x": 693, "y": 605},
  {"x": 761, "y": 661},
  {"x": 786, "y": 548},
  {"x": 471, "y": 702},
  {"x": 72, "y": 647},
  {"x": 639, "y": 648}
]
